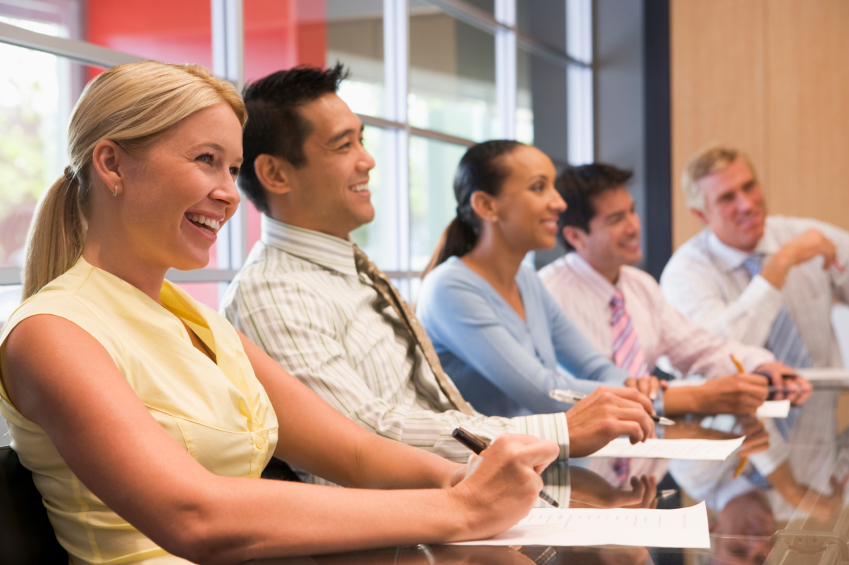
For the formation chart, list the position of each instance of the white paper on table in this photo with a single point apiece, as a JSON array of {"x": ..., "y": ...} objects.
[
  {"x": 695, "y": 449},
  {"x": 683, "y": 527},
  {"x": 830, "y": 374},
  {"x": 773, "y": 409}
]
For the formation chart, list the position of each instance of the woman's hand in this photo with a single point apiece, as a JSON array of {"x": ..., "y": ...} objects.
[{"x": 500, "y": 486}]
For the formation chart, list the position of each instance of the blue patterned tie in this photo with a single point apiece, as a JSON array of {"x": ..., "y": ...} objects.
[{"x": 784, "y": 339}]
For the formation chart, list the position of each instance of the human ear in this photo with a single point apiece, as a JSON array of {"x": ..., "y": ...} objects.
[
  {"x": 484, "y": 206},
  {"x": 699, "y": 214},
  {"x": 108, "y": 162},
  {"x": 575, "y": 236},
  {"x": 274, "y": 173}
]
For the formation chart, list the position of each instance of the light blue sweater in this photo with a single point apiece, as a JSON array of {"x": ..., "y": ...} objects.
[{"x": 503, "y": 365}]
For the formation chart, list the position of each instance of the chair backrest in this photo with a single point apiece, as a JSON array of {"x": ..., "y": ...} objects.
[{"x": 26, "y": 537}]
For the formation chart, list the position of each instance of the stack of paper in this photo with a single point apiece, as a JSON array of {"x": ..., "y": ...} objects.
[
  {"x": 774, "y": 409},
  {"x": 695, "y": 449},
  {"x": 685, "y": 527}
]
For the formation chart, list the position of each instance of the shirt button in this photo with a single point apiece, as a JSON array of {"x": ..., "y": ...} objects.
[{"x": 260, "y": 443}]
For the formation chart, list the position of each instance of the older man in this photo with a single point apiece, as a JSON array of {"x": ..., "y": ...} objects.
[
  {"x": 598, "y": 286},
  {"x": 763, "y": 280}
]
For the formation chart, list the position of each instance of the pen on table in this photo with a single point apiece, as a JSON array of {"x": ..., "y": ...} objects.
[
  {"x": 565, "y": 395},
  {"x": 476, "y": 445},
  {"x": 666, "y": 493},
  {"x": 743, "y": 460}
]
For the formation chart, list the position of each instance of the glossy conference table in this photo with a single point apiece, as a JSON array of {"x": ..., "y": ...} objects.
[{"x": 750, "y": 522}]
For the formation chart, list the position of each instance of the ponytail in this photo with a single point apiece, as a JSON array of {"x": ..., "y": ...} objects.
[
  {"x": 458, "y": 239},
  {"x": 131, "y": 104},
  {"x": 478, "y": 170},
  {"x": 57, "y": 234}
]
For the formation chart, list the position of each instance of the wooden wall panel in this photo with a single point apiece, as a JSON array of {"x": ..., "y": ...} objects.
[
  {"x": 807, "y": 118},
  {"x": 717, "y": 66},
  {"x": 772, "y": 78}
]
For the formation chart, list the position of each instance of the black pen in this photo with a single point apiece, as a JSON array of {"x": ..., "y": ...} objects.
[
  {"x": 477, "y": 445},
  {"x": 572, "y": 397}
]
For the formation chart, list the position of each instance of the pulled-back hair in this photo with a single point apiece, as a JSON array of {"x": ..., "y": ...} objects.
[
  {"x": 277, "y": 127},
  {"x": 579, "y": 186},
  {"x": 479, "y": 169},
  {"x": 131, "y": 104}
]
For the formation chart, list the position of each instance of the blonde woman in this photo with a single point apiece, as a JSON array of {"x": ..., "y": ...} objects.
[{"x": 145, "y": 417}]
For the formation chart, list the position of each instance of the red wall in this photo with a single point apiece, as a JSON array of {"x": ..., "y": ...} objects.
[{"x": 279, "y": 34}]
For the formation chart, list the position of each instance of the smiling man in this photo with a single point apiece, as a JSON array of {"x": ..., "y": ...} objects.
[
  {"x": 310, "y": 298},
  {"x": 764, "y": 280},
  {"x": 621, "y": 309}
]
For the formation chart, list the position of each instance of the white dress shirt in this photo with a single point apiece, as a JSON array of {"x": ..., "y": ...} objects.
[
  {"x": 584, "y": 294},
  {"x": 705, "y": 280},
  {"x": 300, "y": 298}
]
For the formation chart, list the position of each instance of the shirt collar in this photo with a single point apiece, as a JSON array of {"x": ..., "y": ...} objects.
[
  {"x": 732, "y": 258},
  {"x": 326, "y": 250},
  {"x": 598, "y": 285}
]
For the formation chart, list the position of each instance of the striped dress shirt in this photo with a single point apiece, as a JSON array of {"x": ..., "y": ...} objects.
[
  {"x": 706, "y": 280},
  {"x": 584, "y": 294},
  {"x": 299, "y": 297}
]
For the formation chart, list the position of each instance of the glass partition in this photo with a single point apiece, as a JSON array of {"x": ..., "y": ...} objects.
[
  {"x": 452, "y": 75},
  {"x": 432, "y": 203}
]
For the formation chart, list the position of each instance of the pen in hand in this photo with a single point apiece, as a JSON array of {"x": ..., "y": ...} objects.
[
  {"x": 571, "y": 396},
  {"x": 741, "y": 466},
  {"x": 477, "y": 445}
]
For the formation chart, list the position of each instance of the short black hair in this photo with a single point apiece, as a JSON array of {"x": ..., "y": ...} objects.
[
  {"x": 275, "y": 125},
  {"x": 579, "y": 186}
]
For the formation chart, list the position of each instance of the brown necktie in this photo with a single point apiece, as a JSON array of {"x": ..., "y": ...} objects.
[{"x": 416, "y": 331}]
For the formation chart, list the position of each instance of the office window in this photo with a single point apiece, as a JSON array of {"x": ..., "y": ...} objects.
[
  {"x": 37, "y": 92},
  {"x": 355, "y": 38},
  {"x": 428, "y": 79},
  {"x": 432, "y": 203},
  {"x": 452, "y": 75}
]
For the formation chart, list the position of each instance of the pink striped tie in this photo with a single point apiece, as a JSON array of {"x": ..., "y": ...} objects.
[
  {"x": 628, "y": 355},
  {"x": 627, "y": 352}
]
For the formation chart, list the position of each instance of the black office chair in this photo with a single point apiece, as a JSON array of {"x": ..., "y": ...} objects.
[
  {"x": 279, "y": 470},
  {"x": 26, "y": 537}
]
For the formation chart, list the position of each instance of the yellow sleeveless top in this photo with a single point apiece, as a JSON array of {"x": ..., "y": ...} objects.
[{"x": 217, "y": 411}]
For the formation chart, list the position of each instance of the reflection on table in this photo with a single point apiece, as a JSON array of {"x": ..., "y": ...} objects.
[{"x": 751, "y": 520}]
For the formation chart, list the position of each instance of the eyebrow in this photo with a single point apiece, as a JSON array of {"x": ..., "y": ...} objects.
[
  {"x": 215, "y": 146},
  {"x": 342, "y": 135}
]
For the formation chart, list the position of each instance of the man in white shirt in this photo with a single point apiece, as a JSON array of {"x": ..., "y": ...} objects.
[
  {"x": 601, "y": 230},
  {"x": 305, "y": 294},
  {"x": 764, "y": 280}
]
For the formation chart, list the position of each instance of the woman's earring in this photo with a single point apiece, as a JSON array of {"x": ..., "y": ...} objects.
[{"x": 116, "y": 191}]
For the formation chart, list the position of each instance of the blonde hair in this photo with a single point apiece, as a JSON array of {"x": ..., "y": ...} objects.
[
  {"x": 131, "y": 104},
  {"x": 706, "y": 162}
]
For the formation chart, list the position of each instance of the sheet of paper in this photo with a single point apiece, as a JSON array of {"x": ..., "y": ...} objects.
[
  {"x": 773, "y": 409},
  {"x": 684, "y": 527},
  {"x": 695, "y": 449},
  {"x": 831, "y": 374}
]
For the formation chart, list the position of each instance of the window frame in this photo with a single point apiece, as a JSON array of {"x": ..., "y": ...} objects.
[{"x": 228, "y": 63}]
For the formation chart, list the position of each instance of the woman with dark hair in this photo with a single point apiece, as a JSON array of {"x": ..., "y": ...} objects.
[{"x": 497, "y": 331}]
